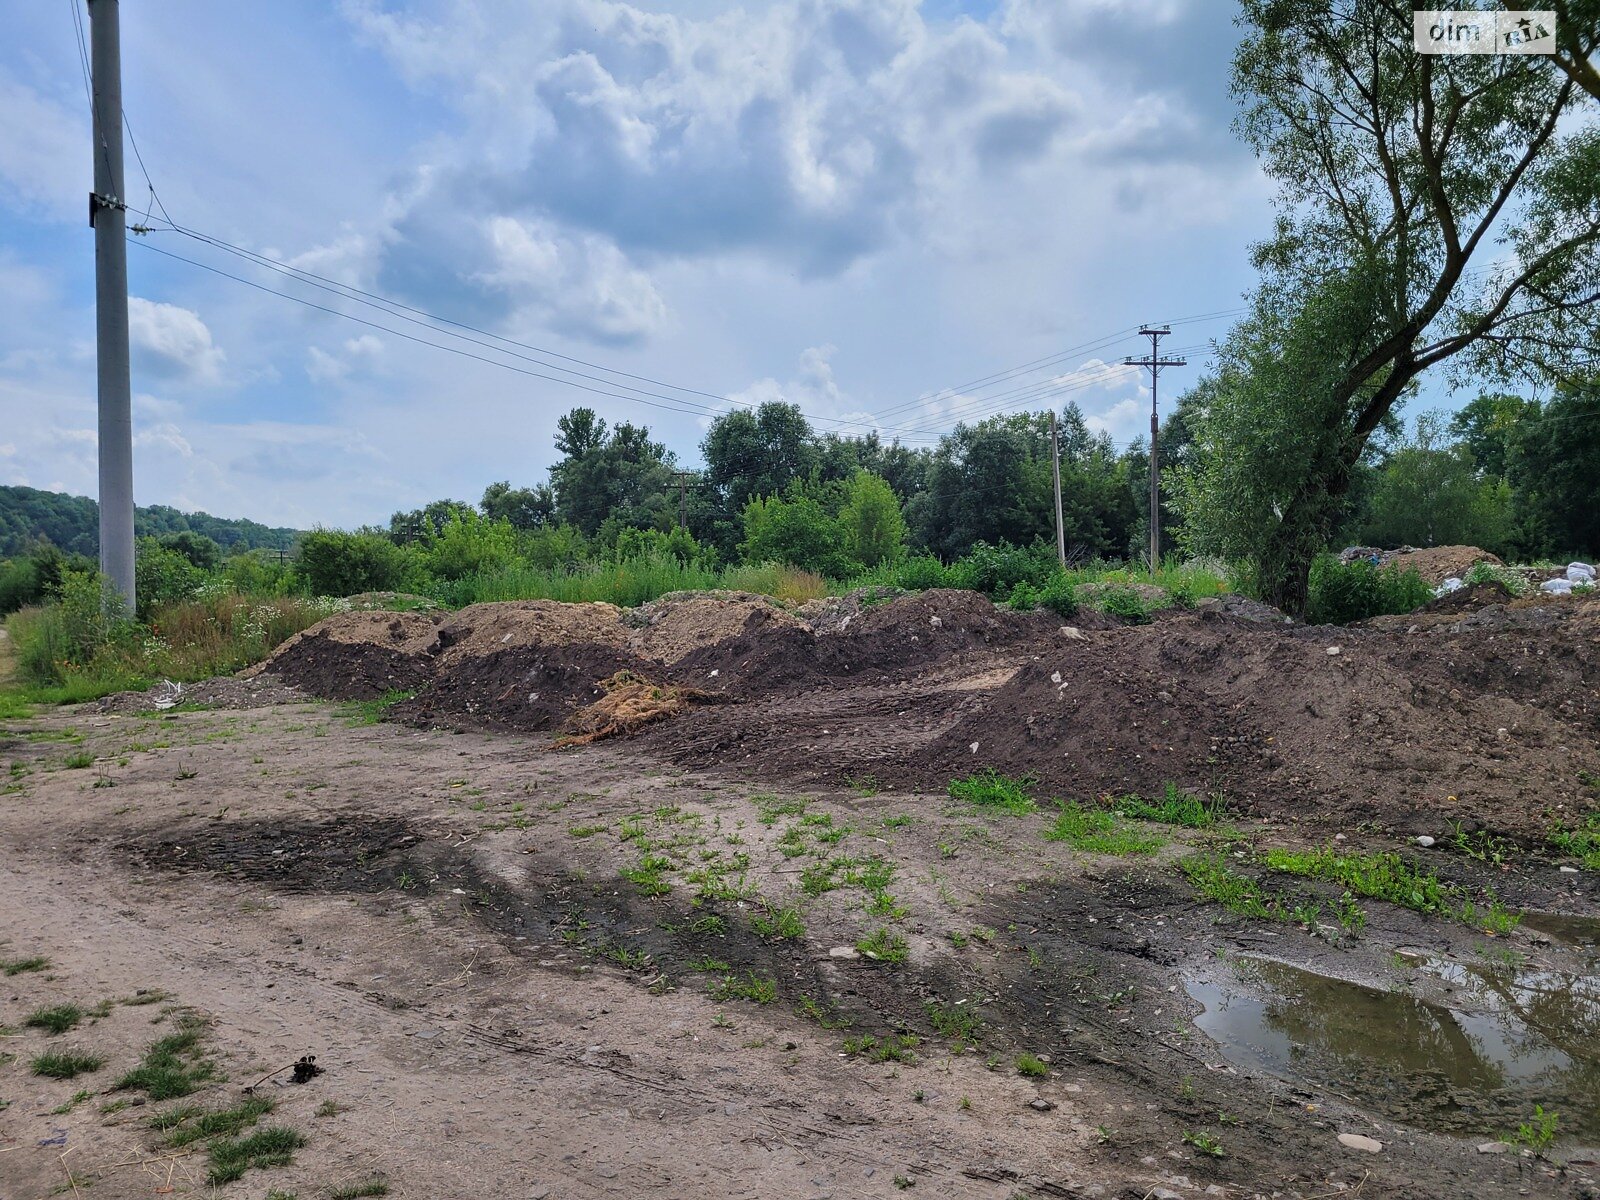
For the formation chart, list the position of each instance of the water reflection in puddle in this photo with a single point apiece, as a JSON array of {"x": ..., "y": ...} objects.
[{"x": 1517, "y": 1039}]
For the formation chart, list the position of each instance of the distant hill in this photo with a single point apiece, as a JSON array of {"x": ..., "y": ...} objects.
[{"x": 73, "y": 523}]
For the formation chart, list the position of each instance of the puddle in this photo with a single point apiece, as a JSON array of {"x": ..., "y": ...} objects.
[
  {"x": 1574, "y": 931},
  {"x": 1519, "y": 1038}
]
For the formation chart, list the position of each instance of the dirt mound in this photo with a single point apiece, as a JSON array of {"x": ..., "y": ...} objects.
[
  {"x": 774, "y": 653},
  {"x": 677, "y": 624},
  {"x": 1468, "y": 599},
  {"x": 529, "y": 687},
  {"x": 406, "y": 632},
  {"x": 481, "y": 630},
  {"x": 1353, "y": 723},
  {"x": 335, "y": 669},
  {"x": 1434, "y": 563}
]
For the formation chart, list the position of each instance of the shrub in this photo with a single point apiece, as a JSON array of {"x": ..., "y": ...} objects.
[
  {"x": 1059, "y": 596},
  {"x": 920, "y": 573},
  {"x": 1119, "y": 600},
  {"x": 467, "y": 545},
  {"x": 1343, "y": 592},
  {"x": 1514, "y": 582},
  {"x": 162, "y": 576},
  {"x": 996, "y": 570},
  {"x": 798, "y": 532},
  {"x": 336, "y": 563}
]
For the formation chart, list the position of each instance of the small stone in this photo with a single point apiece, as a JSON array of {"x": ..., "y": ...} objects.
[
  {"x": 843, "y": 952},
  {"x": 1494, "y": 1147},
  {"x": 1041, "y": 1104},
  {"x": 974, "y": 747},
  {"x": 1333, "y": 651},
  {"x": 1569, "y": 870},
  {"x": 1423, "y": 840},
  {"x": 1360, "y": 1141},
  {"x": 1073, "y": 632}
]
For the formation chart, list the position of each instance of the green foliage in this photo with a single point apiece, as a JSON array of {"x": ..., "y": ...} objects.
[
  {"x": 990, "y": 789},
  {"x": 58, "y": 1018},
  {"x": 172, "y": 1066},
  {"x": 375, "y": 1186},
  {"x": 1387, "y": 876},
  {"x": 1539, "y": 1134},
  {"x": 1097, "y": 832},
  {"x": 1343, "y": 592},
  {"x": 1032, "y": 1067},
  {"x": 335, "y": 563},
  {"x": 1581, "y": 841},
  {"x": 1554, "y": 461},
  {"x": 1514, "y": 582},
  {"x": 468, "y": 545},
  {"x": 230, "y": 1158},
  {"x": 884, "y": 946},
  {"x": 1430, "y": 494},
  {"x": 779, "y": 923},
  {"x": 21, "y": 966},
  {"x": 1174, "y": 807},
  {"x": 957, "y": 1022},
  {"x": 65, "y": 1064},
  {"x": 203, "y": 553},
  {"x": 750, "y": 986},
  {"x": 190, "y": 1123},
  {"x": 73, "y": 524},
  {"x": 1119, "y": 601},
  {"x": 1215, "y": 880},
  {"x": 795, "y": 531},
  {"x": 872, "y": 527},
  {"x": 162, "y": 576}
]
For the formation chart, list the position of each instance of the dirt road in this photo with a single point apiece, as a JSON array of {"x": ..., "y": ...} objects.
[{"x": 595, "y": 974}]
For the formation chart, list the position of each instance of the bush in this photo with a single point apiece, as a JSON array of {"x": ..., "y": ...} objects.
[
  {"x": 162, "y": 576},
  {"x": 1059, "y": 596},
  {"x": 1118, "y": 600},
  {"x": 1343, "y": 592},
  {"x": 920, "y": 573},
  {"x": 70, "y": 632},
  {"x": 996, "y": 570},
  {"x": 467, "y": 545},
  {"x": 798, "y": 532},
  {"x": 335, "y": 563}
]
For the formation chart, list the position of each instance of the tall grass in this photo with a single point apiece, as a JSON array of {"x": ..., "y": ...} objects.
[
  {"x": 630, "y": 582},
  {"x": 64, "y": 654}
]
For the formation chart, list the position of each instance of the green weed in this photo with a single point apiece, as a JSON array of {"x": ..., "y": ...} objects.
[
  {"x": 1537, "y": 1134},
  {"x": 57, "y": 1019},
  {"x": 1032, "y": 1066},
  {"x": 65, "y": 1064},
  {"x": 271, "y": 1147},
  {"x": 375, "y": 1186},
  {"x": 1205, "y": 1143},
  {"x": 1098, "y": 832},
  {"x": 1173, "y": 808},
  {"x": 1387, "y": 876},
  {"x": 883, "y": 946},
  {"x": 779, "y": 924},
  {"x": 750, "y": 987},
  {"x": 172, "y": 1066},
  {"x": 990, "y": 789},
  {"x": 191, "y": 1123}
]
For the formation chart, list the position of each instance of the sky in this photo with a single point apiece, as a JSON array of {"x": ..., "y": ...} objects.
[{"x": 858, "y": 206}]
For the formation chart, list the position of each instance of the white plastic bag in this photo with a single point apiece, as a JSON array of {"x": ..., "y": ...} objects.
[{"x": 1557, "y": 587}]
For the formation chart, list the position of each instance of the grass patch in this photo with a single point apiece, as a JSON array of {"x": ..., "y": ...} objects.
[
  {"x": 66, "y": 1064},
  {"x": 1173, "y": 808},
  {"x": 779, "y": 924},
  {"x": 990, "y": 789},
  {"x": 1219, "y": 883},
  {"x": 232, "y": 1157},
  {"x": 1032, "y": 1066},
  {"x": 957, "y": 1022},
  {"x": 171, "y": 1067},
  {"x": 1387, "y": 876},
  {"x": 1098, "y": 832},
  {"x": 375, "y": 1186},
  {"x": 892, "y": 1048},
  {"x": 370, "y": 712},
  {"x": 79, "y": 759},
  {"x": 19, "y": 966},
  {"x": 1581, "y": 842},
  {"x": 883, "y": 946},
  {"x": 749, "y": 987},
  {"x": 58, "y": 1018},
  {"x": 192, "y": 1123}
]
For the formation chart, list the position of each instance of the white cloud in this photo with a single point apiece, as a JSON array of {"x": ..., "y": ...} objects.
[
  {"x": 173, "y": 343},
  {"x": 44, "y": 163}
]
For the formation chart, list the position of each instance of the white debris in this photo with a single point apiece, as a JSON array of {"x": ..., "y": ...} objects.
[
  {"x": 1578, "y": 572},
  {"x": 1449, "y": 585},
  {"x": 935, "y": 621},
  {"x": 1055, "y": 677},
  {"x": 1359, "y": 1141},
  {"x": 1557, "y": 587},
  {"x": 974, "y": 747},
  {"x": 1334, "y": 651},
  {"x": 1423, "y": 840},
  {"x": 1073, "y": 632},
  {"x": 166, "y": 694}
]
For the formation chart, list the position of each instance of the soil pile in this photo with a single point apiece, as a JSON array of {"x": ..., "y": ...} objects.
[
  {"x": 1446, "y": 724},
  {"x": 673, "y": 627},
  {"x": 1434, "y": 563},
  {"x": 358, "y": 655},
  {"x": 480, "y": 630}
]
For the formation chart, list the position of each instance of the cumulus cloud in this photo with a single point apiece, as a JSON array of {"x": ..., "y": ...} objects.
[{"x": 172, "y": 343}]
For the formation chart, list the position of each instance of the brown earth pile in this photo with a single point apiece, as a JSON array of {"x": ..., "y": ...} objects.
[
  {"x": 480, "y": 630},
  {"x": 357, "y": 655},
  {"x": 1434, "y": 563},
  {"x": 680, "y": 623}
]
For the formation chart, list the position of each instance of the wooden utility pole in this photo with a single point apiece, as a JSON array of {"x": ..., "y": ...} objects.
[
  {"x": 683, "y": 498},
  {"x": 1155, "y": 362},
  {"x": 1055, "y": 477},
  {"x": 107, "y": 213}
]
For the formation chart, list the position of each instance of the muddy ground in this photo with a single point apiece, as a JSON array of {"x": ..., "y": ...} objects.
[{"x": 536, "y": 973}]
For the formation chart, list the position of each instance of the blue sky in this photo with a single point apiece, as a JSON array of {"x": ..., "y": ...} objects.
[{"x": 855, "y": 205}]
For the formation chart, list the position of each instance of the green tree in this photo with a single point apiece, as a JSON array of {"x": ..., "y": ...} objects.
[
  {"x": 162, "y": 575},
  {"x": 618, "y": 473},
  {"x": 796, "y": 531},
  {"x": 336, "y": 563},
  {"x": 1398, "y": 174},
  {"x": 521, "y": 508},
  {"x": 873, "y": 529},
  {"x": 1429, "y": 493},
  {"x": 758, "y": 453},
  {"x": 200, "y": 550},
  {"x": 1487, "y": 425},
  {"x": 422, "y": 524},
  {"x": 1554, "y": 467}
]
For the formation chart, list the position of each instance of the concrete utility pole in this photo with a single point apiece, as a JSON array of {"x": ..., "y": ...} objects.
[
  {"x": 107, "y": 215},
  {"x": 1155, "y": 362},
  {"x": 1055, "y": 477}
]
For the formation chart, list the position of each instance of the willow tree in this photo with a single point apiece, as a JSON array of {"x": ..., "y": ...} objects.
[{"x": 1434, "y": 213}]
